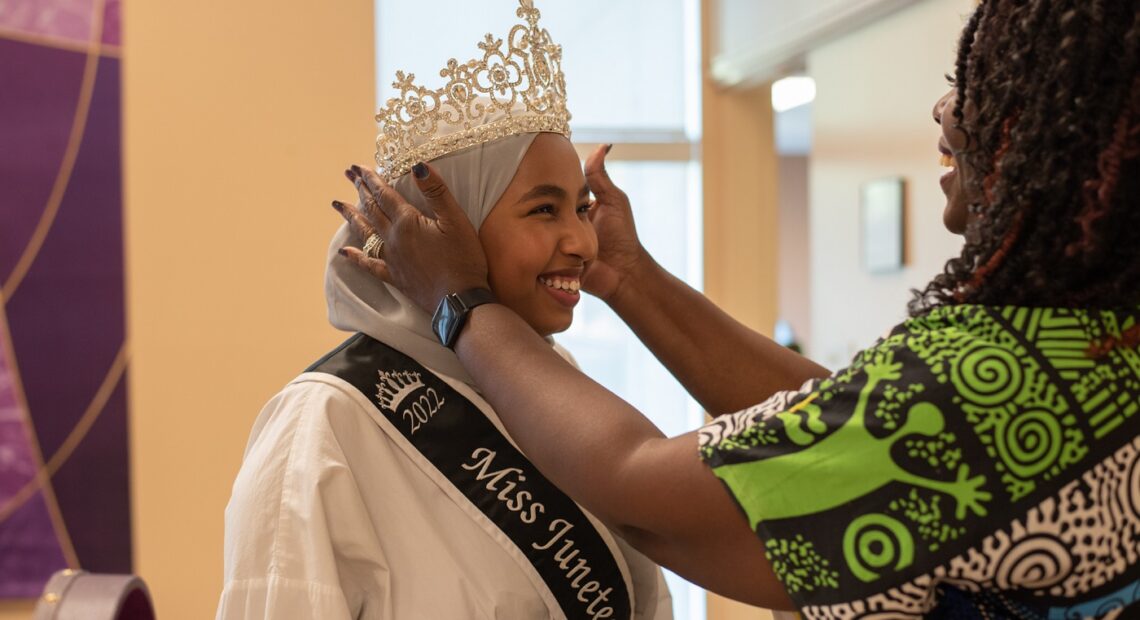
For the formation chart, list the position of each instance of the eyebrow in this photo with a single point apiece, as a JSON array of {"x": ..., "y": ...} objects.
[{"x": 551, "y": 191}]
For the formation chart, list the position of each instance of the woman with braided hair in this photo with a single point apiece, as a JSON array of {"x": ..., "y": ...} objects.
[{"x": 982, "y": 460}]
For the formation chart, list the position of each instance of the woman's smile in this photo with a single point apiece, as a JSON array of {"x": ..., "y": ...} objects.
[
  {"x": 947, "y": 161},
  {"x": 957, "y": 187},
  {"x": 563, "y": 287}
]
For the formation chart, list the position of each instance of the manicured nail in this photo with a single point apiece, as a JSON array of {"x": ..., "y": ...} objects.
[
  {"x": 339, "y": 206},
  {"x": 350, "y": 175},
  {"x": 420, "y": 170},
  {"x": 342, "y": 252},
  {"x": 609, "y": 147},
  {"x": 357, "y": 171}
]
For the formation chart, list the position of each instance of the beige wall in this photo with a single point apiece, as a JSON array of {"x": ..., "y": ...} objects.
[
  {"x": 239, "y": 119},
  {"x": 794, "y": 262},
  {"x": 740, "y": 220},
  {"x": 872, "y": 119}
]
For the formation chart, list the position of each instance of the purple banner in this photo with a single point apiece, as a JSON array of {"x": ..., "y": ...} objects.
[{"x": 63, "y": 353}]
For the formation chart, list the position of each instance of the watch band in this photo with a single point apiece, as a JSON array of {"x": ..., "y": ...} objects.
[{"x": 475, "y": 297}]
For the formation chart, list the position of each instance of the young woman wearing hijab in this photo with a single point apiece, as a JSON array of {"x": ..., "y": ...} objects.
[
  {"x": 980, "y": 461},
  {"x": 379, "y": 484}
]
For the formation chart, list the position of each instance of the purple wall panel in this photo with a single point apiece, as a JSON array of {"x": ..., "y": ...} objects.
[
  {"x": 31, "y": 552},
  {"x": 48, "y": 82},
  {"x": 93, "y": 493},
  {"x": 71, "y": 301},
  {"x": 63, "y": 405}
]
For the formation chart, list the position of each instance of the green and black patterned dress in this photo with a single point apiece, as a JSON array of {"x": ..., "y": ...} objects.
[{"x": 977, "y": 462}]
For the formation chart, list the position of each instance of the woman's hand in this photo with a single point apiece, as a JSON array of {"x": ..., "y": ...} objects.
[
  {"x": 620, "y": 253},
  {"x": 424, "y": 256}
]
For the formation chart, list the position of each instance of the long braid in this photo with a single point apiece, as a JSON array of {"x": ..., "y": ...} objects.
[
  {"x": 1100, "y": 191},
  {"x": 1049, "y": 97}
]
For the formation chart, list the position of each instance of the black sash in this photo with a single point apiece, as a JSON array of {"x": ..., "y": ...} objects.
[{"x": 457, "y": 438}]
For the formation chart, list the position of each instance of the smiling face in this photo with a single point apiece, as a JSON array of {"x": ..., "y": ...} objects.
[
  {"x": 538, "y": 238},
  {"x": 958, "y": 184}
]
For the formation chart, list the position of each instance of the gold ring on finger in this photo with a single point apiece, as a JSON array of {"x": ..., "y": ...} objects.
[{"x": 373, "y": 246}]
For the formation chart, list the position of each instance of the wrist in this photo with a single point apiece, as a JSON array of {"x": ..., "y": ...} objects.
[
  {"x": 456, "y": 285},
  {"x": 636, "y": 280}
]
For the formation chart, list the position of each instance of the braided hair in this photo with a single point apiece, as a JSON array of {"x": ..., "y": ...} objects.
[{"x": 1053, "y": 94}]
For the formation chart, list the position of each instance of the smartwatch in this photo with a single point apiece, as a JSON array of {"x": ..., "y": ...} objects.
[{"x": 452, "y": 311}]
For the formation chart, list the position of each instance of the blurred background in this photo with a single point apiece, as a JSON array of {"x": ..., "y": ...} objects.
[{"x": 165, "y": 175}]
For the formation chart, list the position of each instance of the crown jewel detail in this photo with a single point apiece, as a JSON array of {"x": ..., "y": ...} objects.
[
  {"x": 395, "y": 386},
  {"x": 508, "y": 92}
]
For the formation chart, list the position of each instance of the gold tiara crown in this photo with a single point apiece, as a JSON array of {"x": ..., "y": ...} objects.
[{"x": 517, "y": 90}]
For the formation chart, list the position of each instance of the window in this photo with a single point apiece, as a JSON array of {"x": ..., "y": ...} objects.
[{"x": 632, "y": 79}]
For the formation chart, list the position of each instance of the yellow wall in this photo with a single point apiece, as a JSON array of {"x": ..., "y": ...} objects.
[
  {"x": 741, "y": 217},
  {"x": 741, "y": 222},
  {"x": 239, "y": 119}
]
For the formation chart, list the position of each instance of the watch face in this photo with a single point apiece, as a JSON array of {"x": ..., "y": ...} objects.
[
  {"x": 452, "y": 311},
  {"x": 446, "y": 322}
]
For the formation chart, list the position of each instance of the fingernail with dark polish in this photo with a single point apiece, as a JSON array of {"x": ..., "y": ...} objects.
[
  {"x": 608, "y": 148},
  {"x": 420, "y": 170},
  {"x": 356, "y": 169},
  {"x": 339, "y": 206},
  {"x": 342, "y": 252},
  {"x": 350, "y": 175}
]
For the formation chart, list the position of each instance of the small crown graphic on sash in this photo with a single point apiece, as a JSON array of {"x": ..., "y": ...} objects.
[{"x": 395, "y": 386}]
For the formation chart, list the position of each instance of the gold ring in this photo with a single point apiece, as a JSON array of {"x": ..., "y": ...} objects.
[{"x": 373, "y": 246}]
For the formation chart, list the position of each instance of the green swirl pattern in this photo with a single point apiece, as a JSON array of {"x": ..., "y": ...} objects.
[
  {"x": 987, "y": 375},
  {"x": 1030, "y": 443}
]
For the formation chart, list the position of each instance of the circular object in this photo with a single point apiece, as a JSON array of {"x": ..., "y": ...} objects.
[{"x": 79, "y": 595}]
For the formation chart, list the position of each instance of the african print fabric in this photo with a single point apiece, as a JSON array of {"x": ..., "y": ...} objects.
[{"x": 985, "y": 454}]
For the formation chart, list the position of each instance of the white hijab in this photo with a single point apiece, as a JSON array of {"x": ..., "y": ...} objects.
[{"x": 358, "y": 302}]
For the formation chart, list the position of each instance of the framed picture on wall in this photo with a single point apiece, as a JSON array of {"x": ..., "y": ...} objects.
[{"x": 882, "y": 212}]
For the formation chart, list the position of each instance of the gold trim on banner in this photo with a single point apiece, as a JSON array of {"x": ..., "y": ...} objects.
[
  {"x": 63, "y": 177},
  {"x": 42, "y": 479},
  {"x": 78, "y": 432},
  {"x": 43, "y": 40}
]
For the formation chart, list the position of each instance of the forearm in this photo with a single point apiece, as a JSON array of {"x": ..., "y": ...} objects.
[
  {"x": 578, "y": 427},
  {"x": 724, "y": 364},
  {"x": 613, "y": 461}
]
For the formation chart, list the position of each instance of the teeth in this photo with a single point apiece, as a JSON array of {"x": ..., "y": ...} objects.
[
  {"x": 947, "y": 161},
  {"x": 570, "y": 286}
]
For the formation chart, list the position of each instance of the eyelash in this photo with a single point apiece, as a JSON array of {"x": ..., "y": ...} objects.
[
  {"x": 549, "y": 209},
  {"x": 950, "y": 79}
]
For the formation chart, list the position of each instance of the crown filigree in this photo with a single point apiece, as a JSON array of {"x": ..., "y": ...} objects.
[
  {"x": 517, "y": 90},
  {"x": 394, "y": 387}
]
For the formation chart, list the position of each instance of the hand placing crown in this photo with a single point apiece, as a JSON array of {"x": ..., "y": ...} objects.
[{"x": 520, "y": 89}]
